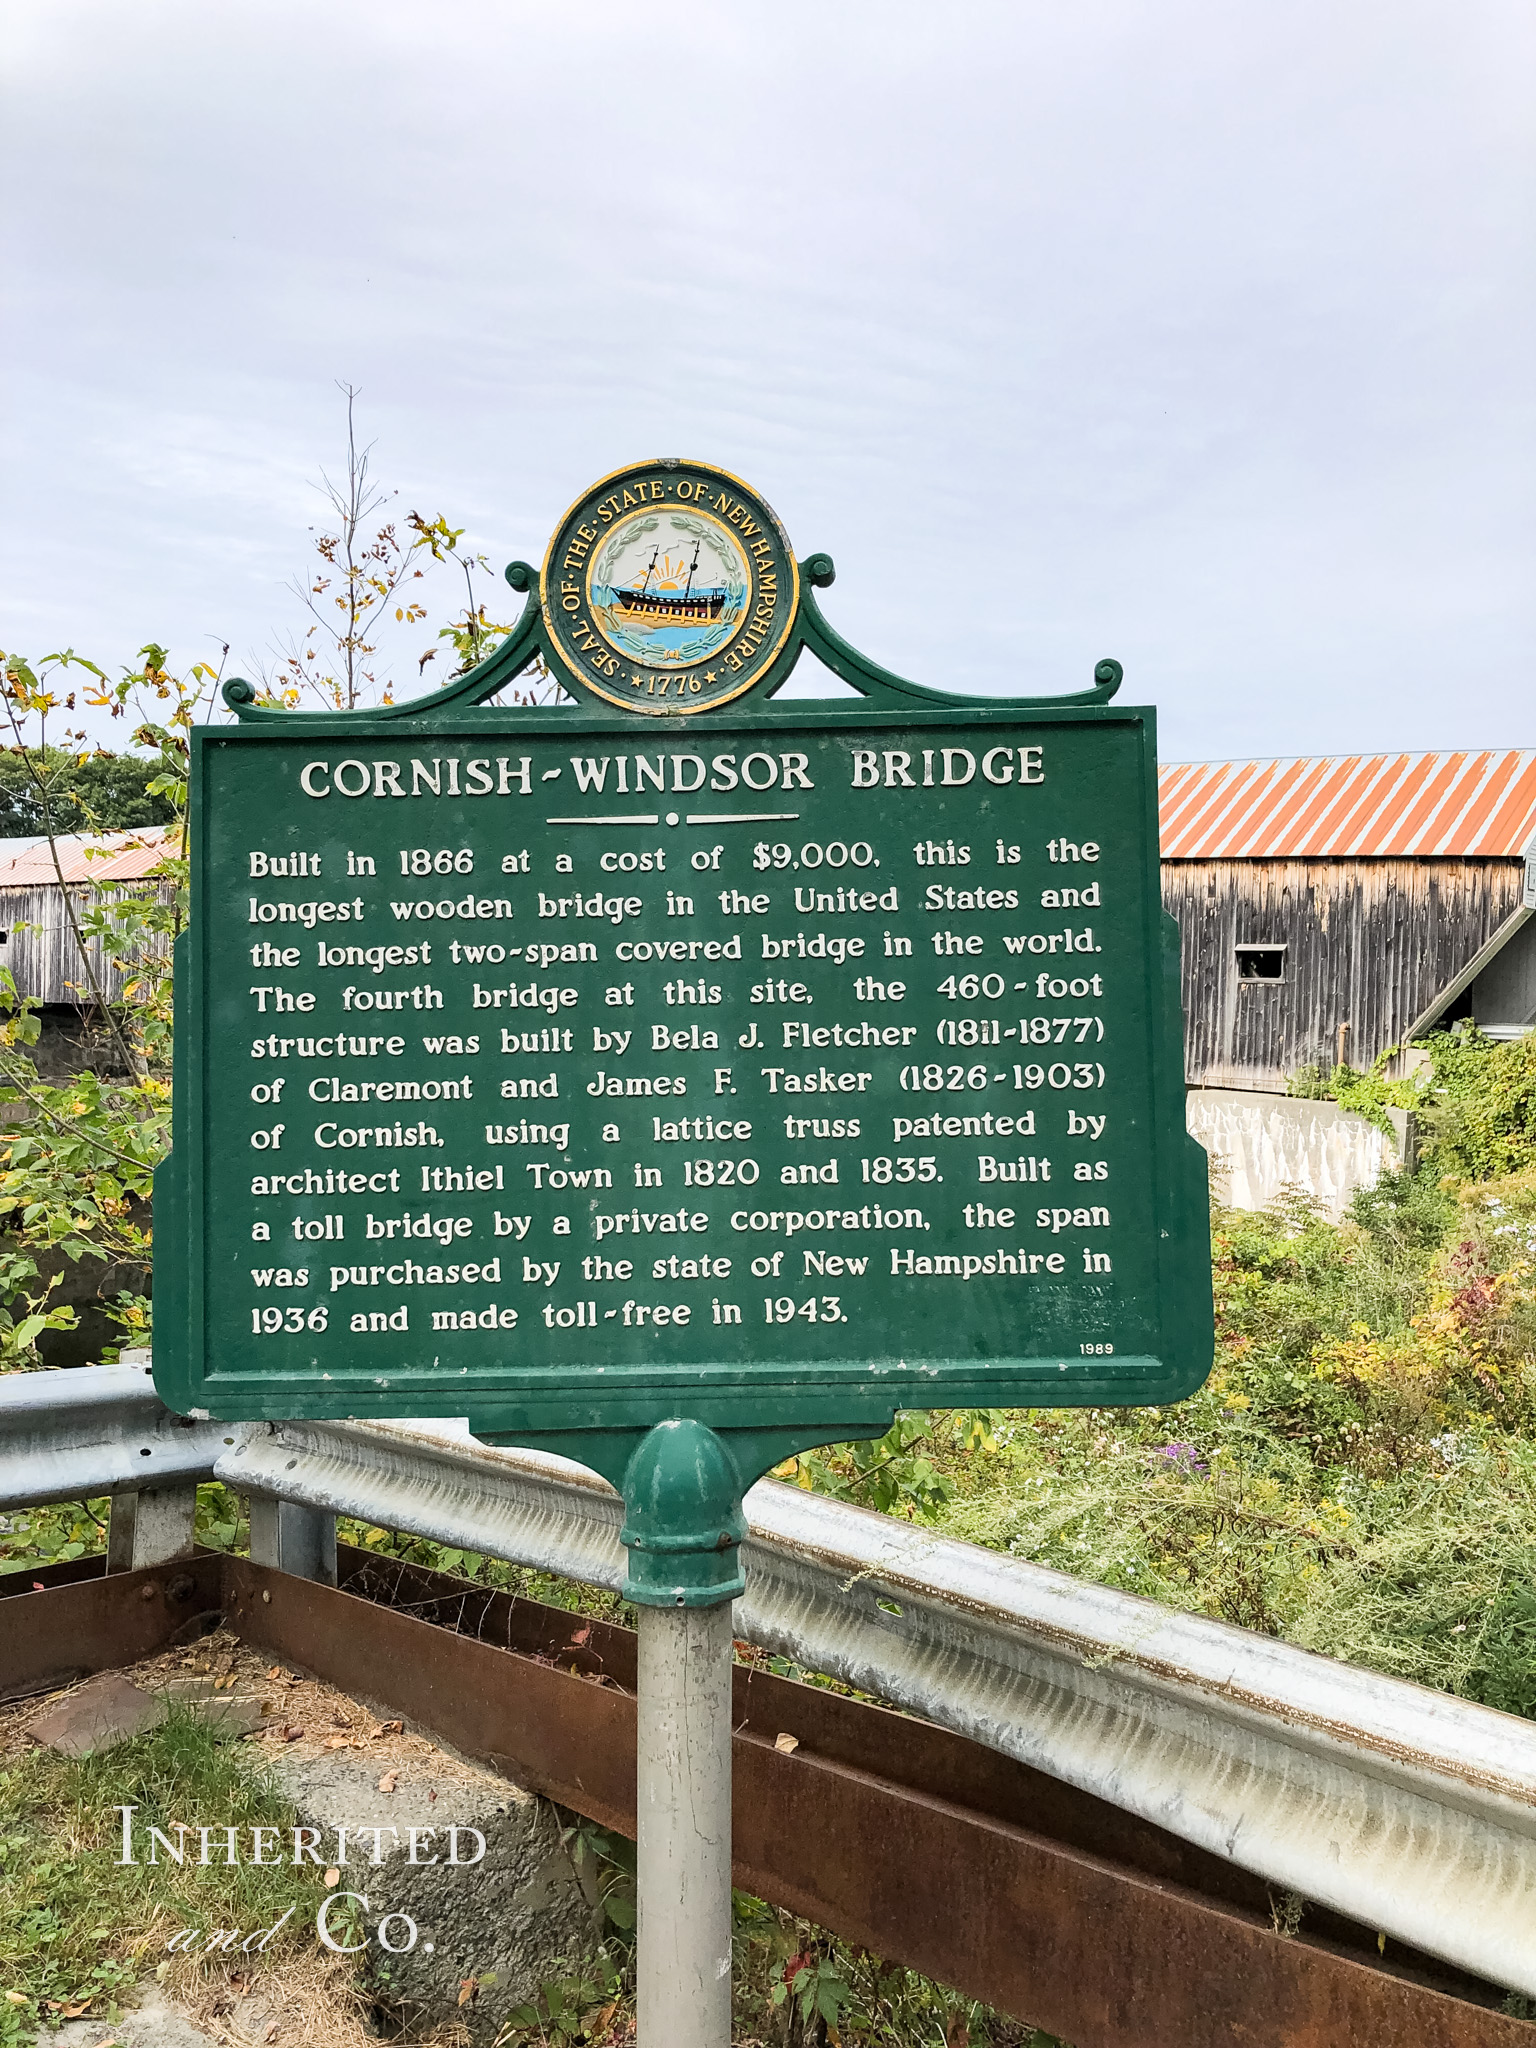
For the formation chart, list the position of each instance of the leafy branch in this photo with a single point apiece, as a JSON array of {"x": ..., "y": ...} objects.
[{"x": 77, "y": 1166}]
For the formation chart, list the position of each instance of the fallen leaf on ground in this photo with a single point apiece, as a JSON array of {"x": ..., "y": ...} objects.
[
  {"x": 788, "y": 1744},
  {"x": 277, "y": 1671},
  {"x": 468, "y": 1990},
  {"x": 292, "y": 1734},
  {"x": 338, "y": 1742},
  {"x": 389, "y": 1780},
  {"x": 332, "y": 1876}
]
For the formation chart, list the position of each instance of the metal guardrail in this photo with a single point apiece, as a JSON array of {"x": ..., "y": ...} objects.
[
  {"x": 1406, "y": 1809},
  {"x": 99, "y": 1429}
]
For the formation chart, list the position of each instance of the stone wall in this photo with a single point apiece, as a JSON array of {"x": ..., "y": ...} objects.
[{"x": 1261, "y": 1144}]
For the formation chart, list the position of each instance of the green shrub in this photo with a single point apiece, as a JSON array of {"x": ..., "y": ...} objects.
[
  {"x": 1475, "y": 1101},
  {"x": 1358, "y": 1474}
]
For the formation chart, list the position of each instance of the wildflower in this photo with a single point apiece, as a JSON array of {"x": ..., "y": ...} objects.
[{"x": 1182, "y": 1458}]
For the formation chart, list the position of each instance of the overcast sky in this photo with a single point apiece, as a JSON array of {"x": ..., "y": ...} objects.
[{"x": 1199, "y": 334}]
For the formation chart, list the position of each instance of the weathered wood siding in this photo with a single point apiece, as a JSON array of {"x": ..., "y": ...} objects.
[
  {"x": 1370, "y": 943},
  {"x": 39, "y": 946}
]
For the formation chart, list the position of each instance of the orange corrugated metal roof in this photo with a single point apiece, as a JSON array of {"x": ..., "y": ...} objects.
[
  {"x": 1341, "y": 805},
  {"x": 101, "y": 858}
]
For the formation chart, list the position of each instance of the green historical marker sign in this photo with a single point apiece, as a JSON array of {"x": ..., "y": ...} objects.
[{"x": 679, "y": 1054}]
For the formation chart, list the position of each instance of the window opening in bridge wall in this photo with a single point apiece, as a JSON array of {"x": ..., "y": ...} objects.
[{"x": 1261, "y": 963}]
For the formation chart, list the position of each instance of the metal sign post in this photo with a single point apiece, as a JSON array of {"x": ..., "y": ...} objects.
[
  {"x": 678, "y": 1079},
  {"x": 683, "y": 1531}
]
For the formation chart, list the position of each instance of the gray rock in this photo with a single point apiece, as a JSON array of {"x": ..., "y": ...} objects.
[
  {"x": 153, "y": 2023},
  {"x": 517, "y": 1913},
  {"x": 227, "y": 1713},
  {"x": 105, "y": 1711}
]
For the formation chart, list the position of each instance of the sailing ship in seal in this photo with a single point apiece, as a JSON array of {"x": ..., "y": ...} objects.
[{"x": 666, "y": 605}]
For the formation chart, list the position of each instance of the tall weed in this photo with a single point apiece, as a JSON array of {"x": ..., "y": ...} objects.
[{"x": 1358, "y": 1475}]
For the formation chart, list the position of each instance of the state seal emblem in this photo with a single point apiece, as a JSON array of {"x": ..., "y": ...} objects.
[{"x": 669, "y": 587}]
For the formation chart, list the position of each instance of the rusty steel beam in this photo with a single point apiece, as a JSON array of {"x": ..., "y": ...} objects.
[
  {"x": 1296, "y": 1767},
  {"x": 69, "y": 1573},
  {"x": 1098, "y": 1954},
  {"x": 882, "y": 1828},
  {"x": 897, "y": 1747},
  {"x": 571, "y": 1739},
  {"x": 894, "y": 1746},
  {"x": 52, "y": 1638},
  {"x": 1107, "y": 1956},
  {"x": 1293, "y": 1767}
]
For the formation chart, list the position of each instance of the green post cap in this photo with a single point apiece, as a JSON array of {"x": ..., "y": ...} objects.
[{"x": 683, "y": 1524}]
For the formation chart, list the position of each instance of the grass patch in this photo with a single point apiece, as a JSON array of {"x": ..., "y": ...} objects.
[
  {"x": 79, "y": 1929},
  {"x": 77, "y": 1926},
  {"x": 1357, "y": 1476}
]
